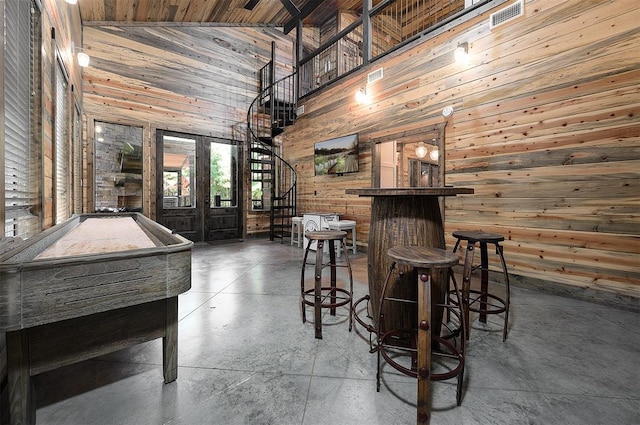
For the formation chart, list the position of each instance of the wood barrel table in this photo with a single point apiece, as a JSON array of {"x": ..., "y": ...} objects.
[{"x": 403, "y": 217}]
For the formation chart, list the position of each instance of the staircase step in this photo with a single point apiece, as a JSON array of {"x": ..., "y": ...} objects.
[
  {"x": 280, "y": 105},
  {"x": 260, "y": 161},
  {"x": 266, "y": 140},
  {"x": 260, "y": 150},
  {"x": 283, "y": 121}
]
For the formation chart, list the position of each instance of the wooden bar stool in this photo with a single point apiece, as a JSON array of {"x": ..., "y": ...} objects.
[
  {"x": 326, "y": 296},
  {"x": 296, "y": 229},
  {"x": 423, "y": 262},
  {"x": 483, "y": 302}
]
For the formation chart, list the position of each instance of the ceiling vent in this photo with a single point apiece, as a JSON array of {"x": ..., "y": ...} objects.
[
  {"x": 508, "y": 13},
  {"x": 374, "y": 76}
]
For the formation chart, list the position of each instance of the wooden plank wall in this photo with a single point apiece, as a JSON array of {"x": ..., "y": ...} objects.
[
  {"x": 191, "y": 79},
  {"x": 546, "y": 129}
]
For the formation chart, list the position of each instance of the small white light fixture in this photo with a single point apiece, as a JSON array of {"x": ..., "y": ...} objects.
[
  {"x": 462, "y": 53},
  {"x": 421, "y": 150},
  {"x": 362, "y": 96},
  {"x": 447, "y": 111},
  {"x": 434, "y": 154},
  {"x": 82, "y": 58},
  {"x": 71, "y": 1}
]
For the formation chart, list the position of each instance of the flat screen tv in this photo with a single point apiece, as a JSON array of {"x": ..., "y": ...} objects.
[{"x": 336, "y": 156}]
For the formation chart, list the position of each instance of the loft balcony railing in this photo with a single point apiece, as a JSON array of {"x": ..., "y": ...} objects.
[{"x": 386, "y": 27}]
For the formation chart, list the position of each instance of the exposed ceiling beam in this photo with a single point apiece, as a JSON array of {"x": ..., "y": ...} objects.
[
  {"x": 251, "y": 4},
  {"x": 306, "y": 11},
  {"x": 291, "y": 8}
]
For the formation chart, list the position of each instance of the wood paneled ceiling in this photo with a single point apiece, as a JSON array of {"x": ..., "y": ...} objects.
[{"x": 265, "y": 12}]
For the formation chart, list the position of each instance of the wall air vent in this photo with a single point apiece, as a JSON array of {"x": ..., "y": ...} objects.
[
  {"x": 374, "y": 76},
  {"x": 300, "y": 110},
  {"x": 508, "y": 13}
]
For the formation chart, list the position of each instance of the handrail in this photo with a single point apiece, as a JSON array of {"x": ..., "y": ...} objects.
[
  {"x": 279, "y": 101},
  {"x": 424, "y": 17}
]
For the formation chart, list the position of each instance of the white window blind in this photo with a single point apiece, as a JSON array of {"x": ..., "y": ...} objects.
[
  {"x": 21, "y": 57},
  {"x": 62, "y": 146},
  {"x": 77, "y": 162}
]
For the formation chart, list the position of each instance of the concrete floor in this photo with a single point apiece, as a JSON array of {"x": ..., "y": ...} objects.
[{"x": 245, "y": 357}]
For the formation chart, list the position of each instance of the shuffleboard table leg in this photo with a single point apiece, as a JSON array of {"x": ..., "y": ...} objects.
[
  {"x": 170, "y": 341},
  {"x": 22, "y": 409}
]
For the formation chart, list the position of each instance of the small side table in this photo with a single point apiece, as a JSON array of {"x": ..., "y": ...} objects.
[{"x": 345, "y": 226}]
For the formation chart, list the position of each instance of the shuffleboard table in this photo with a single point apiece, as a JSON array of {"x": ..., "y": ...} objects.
[{"x": 91, "y": 285}]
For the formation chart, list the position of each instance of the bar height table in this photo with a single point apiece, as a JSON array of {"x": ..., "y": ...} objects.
[{"x": 402, "y": 217}]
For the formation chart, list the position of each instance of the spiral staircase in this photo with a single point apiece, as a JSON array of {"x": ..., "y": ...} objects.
[{"x": 271, "y": 111}]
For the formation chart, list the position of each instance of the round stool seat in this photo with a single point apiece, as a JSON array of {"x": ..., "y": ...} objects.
[
  {"x": 477, "y": 236},
  {"x": 420, "y": 256},
  {"x": 326, "y": 235}
]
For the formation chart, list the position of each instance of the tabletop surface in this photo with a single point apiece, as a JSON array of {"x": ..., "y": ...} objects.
[
  {"x": 410, "y": 191},
  {"x": 99, "y": 236}
]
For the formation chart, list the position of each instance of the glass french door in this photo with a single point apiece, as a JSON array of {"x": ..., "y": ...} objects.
[{"x": 198, "y": 186}]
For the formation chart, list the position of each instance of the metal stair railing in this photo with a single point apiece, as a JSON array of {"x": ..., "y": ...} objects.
[{"x": 270, "y": 112}]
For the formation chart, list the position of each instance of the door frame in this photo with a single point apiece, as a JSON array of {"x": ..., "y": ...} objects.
[{"x": 203, "y": 212}]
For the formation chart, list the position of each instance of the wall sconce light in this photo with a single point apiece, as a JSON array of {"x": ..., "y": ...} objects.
[
  {"x": 421, "y": 150},
  {"x": 362, "y": 96},
  {"x": 462, "y": 53},
  {"x": 434, "y": 154},
  {"x": 82, "y": 57}
]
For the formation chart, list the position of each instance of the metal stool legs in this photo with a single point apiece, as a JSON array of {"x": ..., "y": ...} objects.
[
  {"x": 325, "y": 296},
  {"x": 487, "y": 303}
]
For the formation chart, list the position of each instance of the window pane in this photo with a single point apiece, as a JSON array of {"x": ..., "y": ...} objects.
[
  {"x": 118, "y": 167},
  {"x": 179, "y": 172},
  {"x": 223, "y": 166}
]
